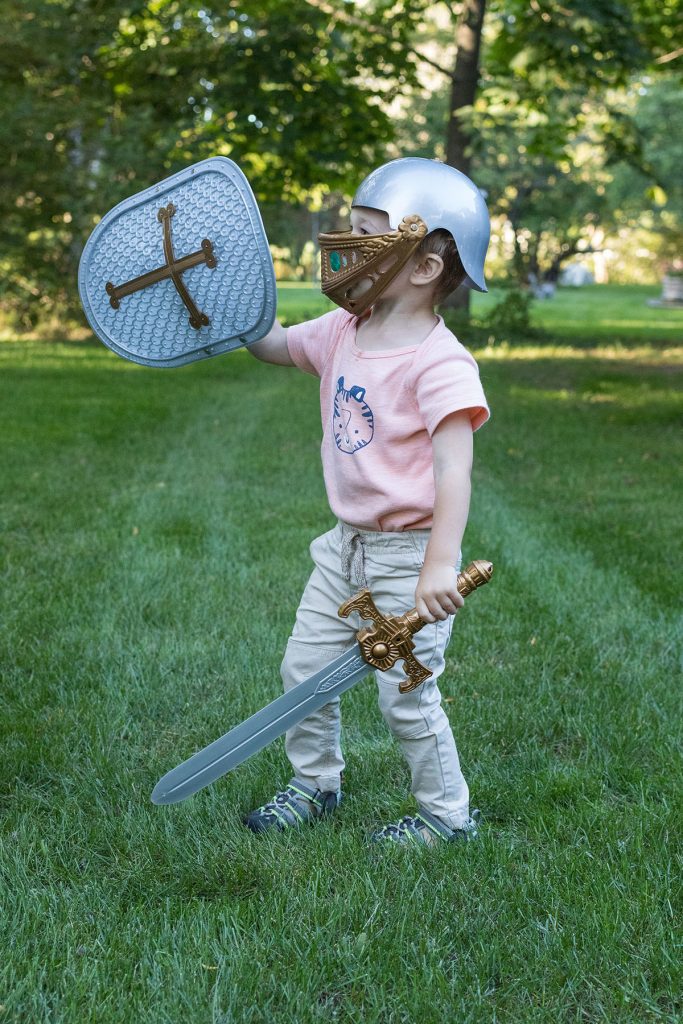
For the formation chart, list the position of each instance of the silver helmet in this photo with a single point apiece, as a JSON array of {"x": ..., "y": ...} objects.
[{"x": 443, "y": 198}]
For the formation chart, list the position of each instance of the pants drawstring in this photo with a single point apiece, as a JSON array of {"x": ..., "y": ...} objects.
[{"x": 353, "y": 556}]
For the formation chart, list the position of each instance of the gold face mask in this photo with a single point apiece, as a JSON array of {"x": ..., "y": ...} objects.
[{"x": 346, "y": 260}]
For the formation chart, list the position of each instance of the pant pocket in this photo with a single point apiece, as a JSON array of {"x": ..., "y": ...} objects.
[
  {"x": 419, "y": 544},
  {"x": 318, "y": 543}
]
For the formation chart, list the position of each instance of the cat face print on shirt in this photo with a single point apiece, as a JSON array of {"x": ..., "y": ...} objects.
[{"x": 352, "y": 419}]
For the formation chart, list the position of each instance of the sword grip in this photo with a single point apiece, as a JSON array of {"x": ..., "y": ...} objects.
[{"x": 389, "y": 639}]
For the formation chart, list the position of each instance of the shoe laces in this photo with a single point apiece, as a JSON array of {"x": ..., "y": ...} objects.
[
  {"x": 407, "y": 826},
  {"x": 416, "y": 828},
  {"x": 280, "y": 800}
]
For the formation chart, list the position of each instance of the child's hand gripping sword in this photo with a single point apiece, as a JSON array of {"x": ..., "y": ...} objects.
[{"x": 379, "y": 646}]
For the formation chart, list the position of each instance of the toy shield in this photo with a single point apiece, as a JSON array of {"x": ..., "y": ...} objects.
[{"x": 181, "y": 271}]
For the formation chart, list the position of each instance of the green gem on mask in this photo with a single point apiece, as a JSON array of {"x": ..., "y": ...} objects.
[{"x": 335, "y": 261}]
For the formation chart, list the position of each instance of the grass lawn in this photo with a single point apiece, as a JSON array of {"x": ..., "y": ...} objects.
[
  {"x": 594, "y": 313},
  {"x": 155, "y": 531}
]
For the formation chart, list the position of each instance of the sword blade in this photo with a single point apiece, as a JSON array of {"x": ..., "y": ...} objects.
[{"x": 257, "y": 732}]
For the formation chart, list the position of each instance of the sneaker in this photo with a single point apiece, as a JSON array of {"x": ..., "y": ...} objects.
[
  {"x": 426, "y": 828},
  {"x": 293, "y": 806}
]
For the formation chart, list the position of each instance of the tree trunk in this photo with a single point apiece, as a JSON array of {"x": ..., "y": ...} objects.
[
  {"x": 465, "y": 81},
  {"x": 463, "y": 91}
]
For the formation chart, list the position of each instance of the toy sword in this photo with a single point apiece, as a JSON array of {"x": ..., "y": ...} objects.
[{"x": 379, "y": 646}]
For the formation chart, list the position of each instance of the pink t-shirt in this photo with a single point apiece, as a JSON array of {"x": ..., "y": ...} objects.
[{"x": 379, "y": 411}]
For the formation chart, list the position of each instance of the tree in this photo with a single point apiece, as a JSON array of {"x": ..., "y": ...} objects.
[
  {"x": 100, "y": 98},
  {"x": 646, "y": 189},
  {"x": 464, "y": 83},
  {"x": 551, "y": 120}
]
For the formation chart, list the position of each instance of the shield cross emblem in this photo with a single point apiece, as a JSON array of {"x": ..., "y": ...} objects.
[{"x": 180, "y": 271}]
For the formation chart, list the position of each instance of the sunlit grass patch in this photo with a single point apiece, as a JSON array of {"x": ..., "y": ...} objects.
[
  {"x": 154, "y": 547},
  {"x": 639, "y": 356},
  {"x": 601, "y": 311},
  {"x": 594, "y": 313}
]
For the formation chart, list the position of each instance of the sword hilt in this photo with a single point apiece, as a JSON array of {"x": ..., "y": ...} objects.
[{"x": 390, "y": 638}]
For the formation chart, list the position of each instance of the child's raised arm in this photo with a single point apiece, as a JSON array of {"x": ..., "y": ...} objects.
[{"x": 273, "y": 348}]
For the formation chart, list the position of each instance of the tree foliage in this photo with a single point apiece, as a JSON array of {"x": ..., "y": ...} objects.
[
  {"x": 99, "y": 98},
  {"x": 565, "y": 109}
]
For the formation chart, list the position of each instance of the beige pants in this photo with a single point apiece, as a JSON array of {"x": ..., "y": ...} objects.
[{"x": 345, "y": 560}]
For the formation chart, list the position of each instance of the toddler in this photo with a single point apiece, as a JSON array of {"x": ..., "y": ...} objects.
[{"x": 400, "y": 399}]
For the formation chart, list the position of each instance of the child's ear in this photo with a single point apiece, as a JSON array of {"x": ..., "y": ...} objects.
[{"x": 427, "y": 269}]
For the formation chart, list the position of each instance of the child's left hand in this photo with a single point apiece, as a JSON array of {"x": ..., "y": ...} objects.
[{"x": 436, "y": 594}]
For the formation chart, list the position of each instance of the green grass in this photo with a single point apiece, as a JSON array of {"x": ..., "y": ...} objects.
[
  {"x": 155, "y": 527},
  {"x": 602, "y": 311},
  {"x": 594, "y": 313}
]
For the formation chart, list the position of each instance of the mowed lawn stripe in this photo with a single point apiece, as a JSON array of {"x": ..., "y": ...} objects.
[
  {"x": 167, "y": 615},
  {"x": 133, "y": 551}
]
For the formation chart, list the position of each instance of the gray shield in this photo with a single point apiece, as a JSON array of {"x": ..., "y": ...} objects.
[{"x": 181, "y": 271}]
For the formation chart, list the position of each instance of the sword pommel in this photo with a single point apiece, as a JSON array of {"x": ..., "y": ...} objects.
[
  {"x": 476, "y": 574},
  {"x": 389, "y": 639}
]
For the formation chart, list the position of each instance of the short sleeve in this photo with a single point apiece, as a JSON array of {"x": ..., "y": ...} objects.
[
  {"x": 311, "y": 342},
  {"x": 446, "y": 380}
]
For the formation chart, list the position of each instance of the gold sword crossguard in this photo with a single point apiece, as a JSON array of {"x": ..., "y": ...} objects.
[{"x": 389, "y": 639}]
